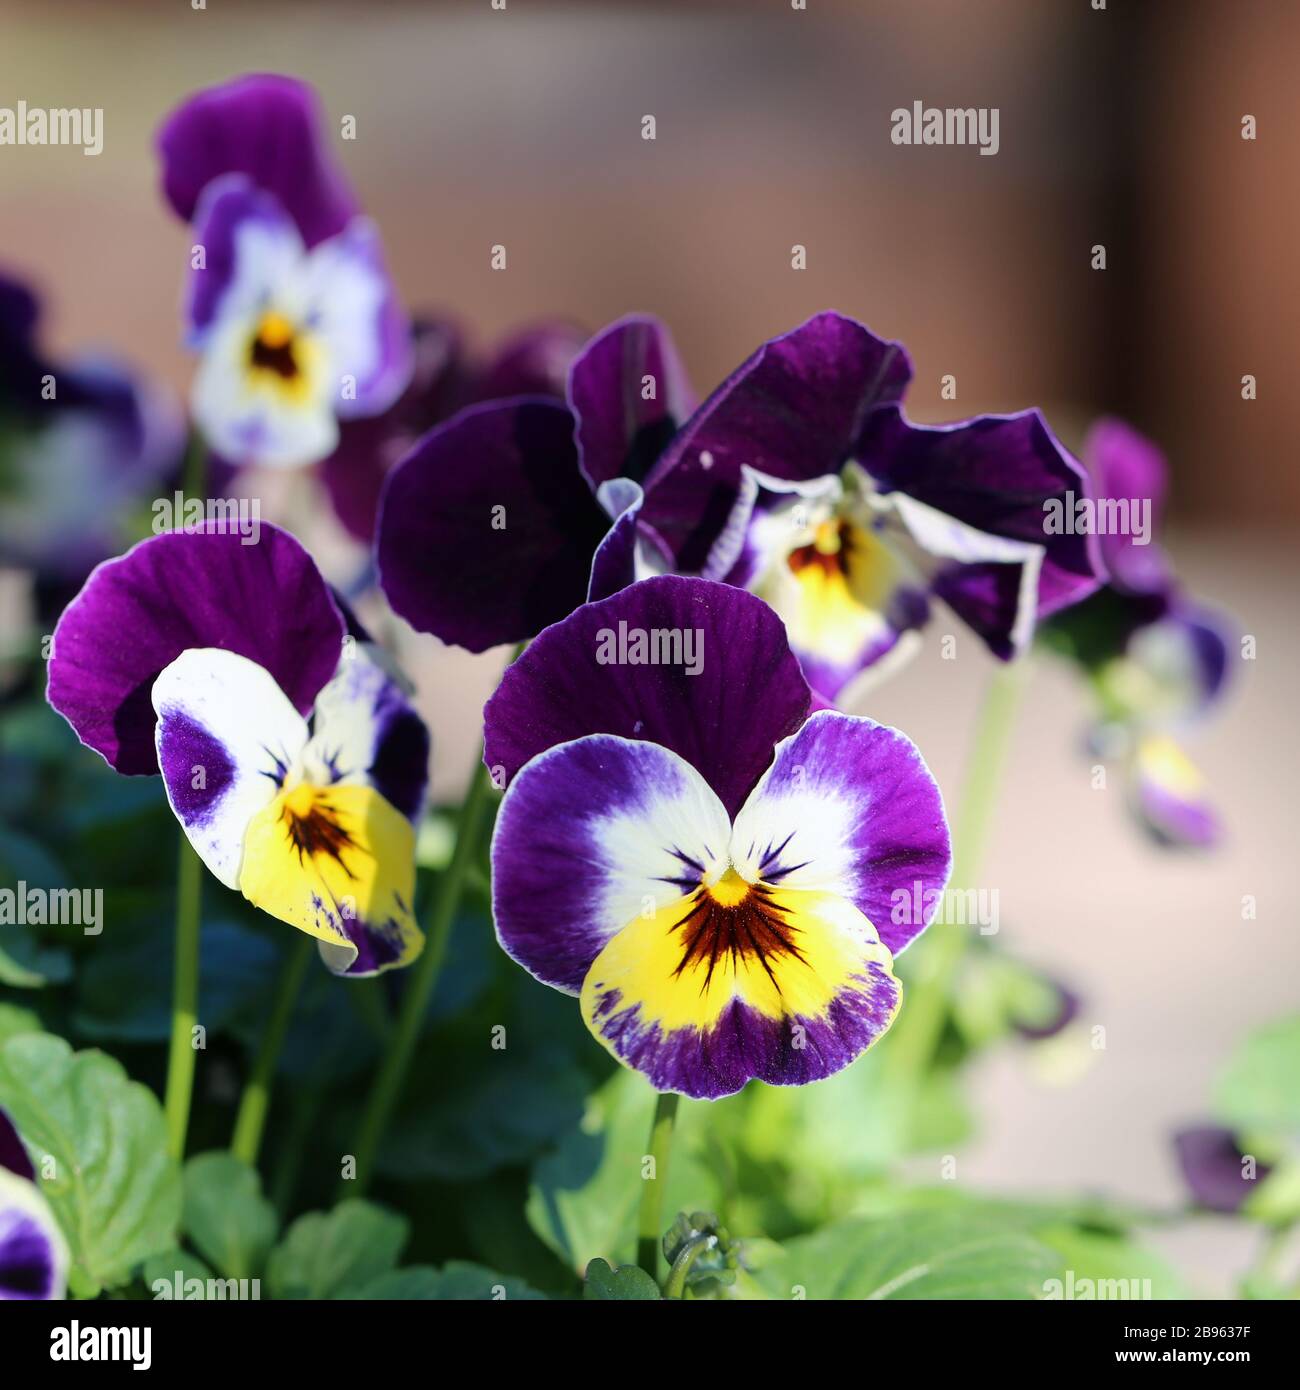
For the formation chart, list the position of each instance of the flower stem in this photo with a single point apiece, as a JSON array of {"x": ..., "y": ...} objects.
[
  {"x": 422, "y": 978},
  {"x": 940, "y": 951},
  {"x": 185, "y": 998},
  {"x": 649, "y": 1228},
  {"x": 247, "y": 1136},
  {"x": 675, "y": 1284}
]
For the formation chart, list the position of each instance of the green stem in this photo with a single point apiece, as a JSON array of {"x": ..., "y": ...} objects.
[
  {"x": 675, "y": 1284},
  {"x": 185, "y": 998},
  {"x": 649, "y": 1228},
  {"x": 920, "y": 1025},
  {"x": 247, "y": 1136},
  {"x": 423, "y": 976}
]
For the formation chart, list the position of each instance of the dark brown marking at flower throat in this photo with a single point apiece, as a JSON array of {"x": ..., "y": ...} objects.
[
  {"x": 831, "y": 558},
  {"x": 755, "y": 928},
  {"x": 275, "y": 357},
  {"x": 319, "y": 832}
]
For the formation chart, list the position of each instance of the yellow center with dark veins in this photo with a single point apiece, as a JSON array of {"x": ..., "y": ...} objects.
[
  {"x": 829, "y": 549},
  {"x": 272, "y": 348},
  {"x": 314, "y": 826},
  {"x": 734, "y": 921}
]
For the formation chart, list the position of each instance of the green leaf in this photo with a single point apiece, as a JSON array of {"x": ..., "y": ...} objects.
[
  {"x": 625, "y": 1282},
  {"x": 1276, "y": 1201},
  {"x": 333, "y": 1254},
  {"x": 114, "y": 1190},
  {"x": 163, "y": 1270},
  {"x": 456, "y": 1280},
  {"x": 1113, "y": 1266},
  {"x": 584, "y": 1196},
  {"x": 225, "y": 1215},
  {"x": 15, "y": 1020},
  {"x": 929, "y": 1255},
  {"x": 1257, "y": 1091}
]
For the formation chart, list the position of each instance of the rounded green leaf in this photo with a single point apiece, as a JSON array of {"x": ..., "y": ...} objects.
[
  {"x": 98, "y": 1142},
  {"x": 334, "y": 1254},
  {"x": 456, "y": 1280},
  {"x": 225, "y": 1215}
]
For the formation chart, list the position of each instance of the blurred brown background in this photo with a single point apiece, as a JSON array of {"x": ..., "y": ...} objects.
[{"x": 1119, "y": 127}]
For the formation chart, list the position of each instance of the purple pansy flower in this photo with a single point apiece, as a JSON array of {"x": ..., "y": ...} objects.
[
  {"x": 1156, "y": 661},
  {"x": 33, "y": 1252},
  {"x": 80, "y": 443},
  {"x": 1214, "y": 1168},
  {"x": 291, "y": 757},
  {"x": 709, "y": 863},
  {"x": 289, "y": 304},
  {"x": 798, "y": 478}
]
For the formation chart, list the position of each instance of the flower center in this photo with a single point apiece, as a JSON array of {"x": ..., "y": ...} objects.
[
  {"x": 314, "y": 825},
  {"x": 828, "y": 549},
  {"x": 273, "y": 346},
  {"x": 734, "y": 921}
]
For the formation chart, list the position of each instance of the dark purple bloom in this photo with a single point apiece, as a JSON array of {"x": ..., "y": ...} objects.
[
  {"x": 81, "y": 443},
  {"x": 1215, "y": 1168},
  {"x": 445, "y": 379},
  {"x": 712, "y": 868},
  {"x": 798, "y": 479},
  {"x": 294, "y": 763},
  {"x": 33, "y": 1252}
]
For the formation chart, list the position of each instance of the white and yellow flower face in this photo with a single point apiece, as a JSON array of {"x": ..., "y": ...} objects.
[{"x": 291, "y": 339}]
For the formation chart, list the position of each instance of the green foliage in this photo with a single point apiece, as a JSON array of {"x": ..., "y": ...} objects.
[
  {"x": 336, "y": 1254},
  {"x": 626, "y": 1282},
  {"x": 98, "y": 1142},
  {"x": 226, "y": 1217},
  {"x": 1259, "y": 1091}
]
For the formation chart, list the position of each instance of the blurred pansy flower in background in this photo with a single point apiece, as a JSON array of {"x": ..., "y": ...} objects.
[
  {"x": 82, "y": 445},
  {"x": 709, "y": 863},
  {"x": 1156, "y": 662},
  {"x": 289, "y": 753},
  {"x": 289, "y": 302},
  {"x": 798, "y": 478},
  {"x": 1217, "y": 1173},
  {"x": 33, "y": 1252}
]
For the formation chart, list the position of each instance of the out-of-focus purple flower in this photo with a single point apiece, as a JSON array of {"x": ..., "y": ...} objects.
[
  {"x": 1156, "y": 662},
  {"x": 82, "y": 444},
  {"x": 1215, "y": 1169},
  {"x": 294, "y": 764},
  {"x": 289, "y": 303},
  {"x": 33, "y": 1251},
  {"x": 1064, "y": 1010},
  {"x": 710, "y": 865},
  {"x": 798, "y": 479}
]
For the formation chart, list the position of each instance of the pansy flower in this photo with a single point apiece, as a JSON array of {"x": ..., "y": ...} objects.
[
  {"x": 289, "y": 305},
  {"x": 1214, "y": 1168},
  {"x": 712, "y": 866},
  {"x": 33, "y": 1252},
  {"x": 798, "y": 479},
  {"x": 290, "y": 756},
  {"x": 81, "y": 444},
  {"x": 1156, "y": 661}
]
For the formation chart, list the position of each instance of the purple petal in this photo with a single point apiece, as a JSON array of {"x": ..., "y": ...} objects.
[
  {"x": 996, "y": 473},
  {"x": 533, "y": 362},
  {"x": 267, "y": 127},
  {"x": 1128, "y": 469},
  {"x": 587, "y": 836},
  {"x": 13, "y": 1154},
  {"x": 613, "y": 567},
  {"x": 620, "y": 433},
  {"x": 849, "y": 807},
  {"x": 794, "y": 410},
  {"x": 137, "y": 613},
  {"x": 487, "y": 529},
  {"x": 1212, "y": 1168},
  {"x": 725, "y": 720},
  {"x": 1168, "y": 796}
]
